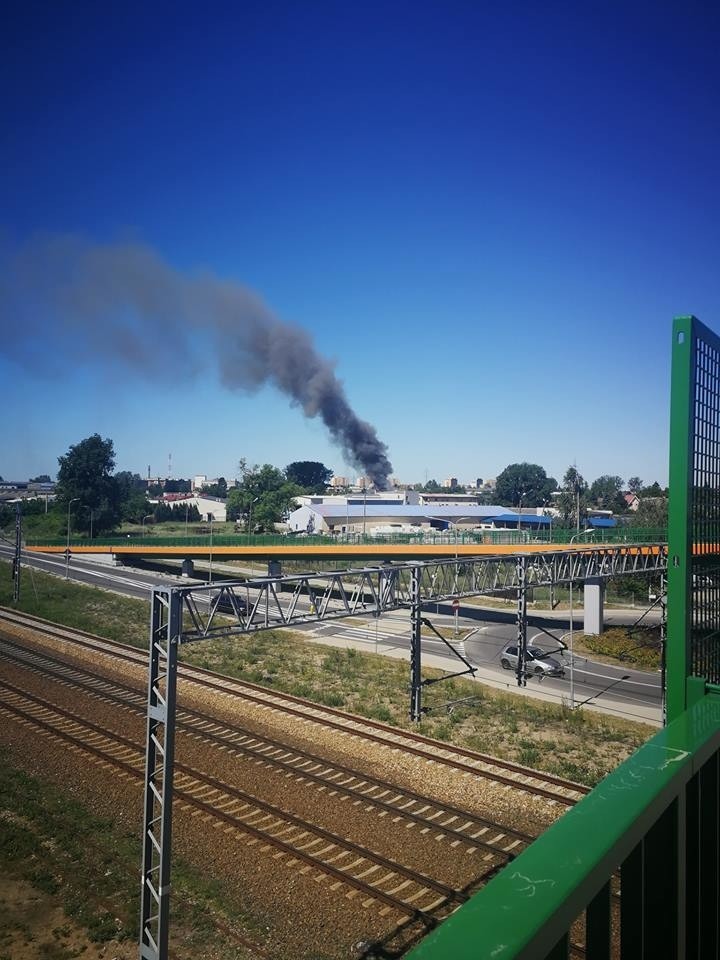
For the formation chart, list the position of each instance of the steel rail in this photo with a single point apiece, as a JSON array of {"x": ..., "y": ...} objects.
[
  {"x": 395, "y": 738},
  {"x": 203, "y": 780},
  {"x": 188, "y": 720}
]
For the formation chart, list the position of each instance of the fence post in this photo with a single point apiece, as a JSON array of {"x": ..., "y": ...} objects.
[{"x": 679, "y": 569}]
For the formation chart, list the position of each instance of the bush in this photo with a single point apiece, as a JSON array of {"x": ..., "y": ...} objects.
[{"x": 639, "y": 647}]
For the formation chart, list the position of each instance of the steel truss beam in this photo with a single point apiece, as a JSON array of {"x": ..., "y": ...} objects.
[
  {"x": 192, "y": 613},
  {"x": 271, "y": 602},
  {"x": 165, "y": 621}
]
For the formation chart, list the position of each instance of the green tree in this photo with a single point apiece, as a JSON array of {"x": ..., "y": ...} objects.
[
  {"x": 524, "y": 485},
  {"x": 162, "y": 512},
  {"x": 129, "y": 484},
  {"x": 310, "y": 475},
  {"x": 263, "y": 494},
  {"x": 133, "y": 496},
  {"x": 651, "y": 512},
  {"x": 177, "y": 486},
  {"x": 182, "y": 512},
  {"x": 432, "y": 486},
  {"x": 85, "y": 475},
  {"x": 606, "y": 493},
  {"x": 572, "y": 502},
  {"x": 654, "y": 490},
  {"x": 217, "y": 489},
  {"x": 43, "y": 478},
  {"x": 135, "y": 506},
  {"x": 635, "y": 485}
]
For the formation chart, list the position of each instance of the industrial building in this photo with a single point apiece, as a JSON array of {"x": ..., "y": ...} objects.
[{"x": 373, "y": 517}]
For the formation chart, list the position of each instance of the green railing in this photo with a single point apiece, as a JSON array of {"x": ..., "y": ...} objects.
[
  {"x": 633, "y": 870},
  {"x": 647, "y": 830},
  {"x": 517, "y": 537}
]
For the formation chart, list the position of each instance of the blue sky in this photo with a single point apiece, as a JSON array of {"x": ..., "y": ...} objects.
[{"x": 485, "y": 217}]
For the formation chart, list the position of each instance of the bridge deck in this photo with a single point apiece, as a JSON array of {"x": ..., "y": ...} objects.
[{"x": 297, "y": 550}]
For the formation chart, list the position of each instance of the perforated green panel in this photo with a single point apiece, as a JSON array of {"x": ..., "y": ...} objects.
[{"x": 694, "y": 523}]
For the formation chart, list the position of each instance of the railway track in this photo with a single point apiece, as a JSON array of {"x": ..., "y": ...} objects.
[
  {"x": 377, "y": 878},
  {"x": 448, "y": 822},
  {"x": 403, "y": 894},
  {"x": 556, "y": 790}
]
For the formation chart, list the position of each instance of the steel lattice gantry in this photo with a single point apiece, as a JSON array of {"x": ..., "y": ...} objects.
[{"x": 192, "y": 613}]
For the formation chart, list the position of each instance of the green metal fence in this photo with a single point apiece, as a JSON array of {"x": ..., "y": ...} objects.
[
  {"x": 694, "y": 531},
  {"x": 557, "y": 535},
  {"x": 633, "y": 870}
]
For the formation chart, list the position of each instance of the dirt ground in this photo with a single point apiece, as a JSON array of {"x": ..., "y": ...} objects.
[{"x": 33, "y": 926}]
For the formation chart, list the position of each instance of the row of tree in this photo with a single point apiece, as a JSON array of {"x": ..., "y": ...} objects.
[
  {"x": 97, "y": 500},
  {"x": 527, "y": 485}
]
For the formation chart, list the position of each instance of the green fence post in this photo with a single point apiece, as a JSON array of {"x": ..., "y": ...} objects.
[{"x": 682, "y": 402}]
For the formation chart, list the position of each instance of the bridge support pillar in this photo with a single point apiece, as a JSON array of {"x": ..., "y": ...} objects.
[
  {"x": 187, "y": 568},
  {"x": 274, "y": 568},
  {"x": 594, "y": 603}
]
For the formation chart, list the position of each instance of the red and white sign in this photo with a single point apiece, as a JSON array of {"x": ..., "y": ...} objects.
[{"x": 456, "y": 604}]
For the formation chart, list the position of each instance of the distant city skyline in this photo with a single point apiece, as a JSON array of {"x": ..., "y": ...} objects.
[{"x": 480, "y": 220}]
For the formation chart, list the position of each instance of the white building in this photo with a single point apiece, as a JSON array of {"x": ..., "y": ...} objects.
[
  {"x": 207, "y": 506},
  {"x": 350, "y": 499},
  {"x": 339, "y": 518}
]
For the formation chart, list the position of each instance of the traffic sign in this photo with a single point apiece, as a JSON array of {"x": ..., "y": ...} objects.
[{"x": 456, "y": 603}]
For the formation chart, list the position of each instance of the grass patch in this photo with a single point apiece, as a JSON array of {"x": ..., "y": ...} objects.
[
  {"x": 639, "y": 647},
  {"x": 45, "y": 840},
  {"x": 85, "y": 608}
]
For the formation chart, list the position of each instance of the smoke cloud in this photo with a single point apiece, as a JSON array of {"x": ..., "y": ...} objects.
[{"x": 123, "y": 301}]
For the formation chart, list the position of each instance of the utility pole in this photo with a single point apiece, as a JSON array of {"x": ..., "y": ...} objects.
[
  {"x": 16, "y": 558},
  {"x": 416, "y": 683},
  {"x": 663, "y": 646},
  {"x": 577, "y": 504},
  {"x": 521, "y": 673}
]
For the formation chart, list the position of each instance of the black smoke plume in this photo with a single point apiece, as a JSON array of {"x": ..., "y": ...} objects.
[{"x": 124, "y": 301}]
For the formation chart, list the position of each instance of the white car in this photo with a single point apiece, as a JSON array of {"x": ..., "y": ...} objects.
[{"x": 537, "y": 661}]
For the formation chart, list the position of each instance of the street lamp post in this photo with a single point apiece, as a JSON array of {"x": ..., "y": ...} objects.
[
  {"x": 210, "y": 518},
  {"x": 250, "y": 529},
  {"x": 547, "y": 513},
  {"x": 92, "y": 514},
  {"x": 67, "y": 550},
  {"x": 520, "y": 512},
  {"x": 577, "y": 505},
  {"x": 142, "y": 524},
  {"x": 455, "y": 523}
]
